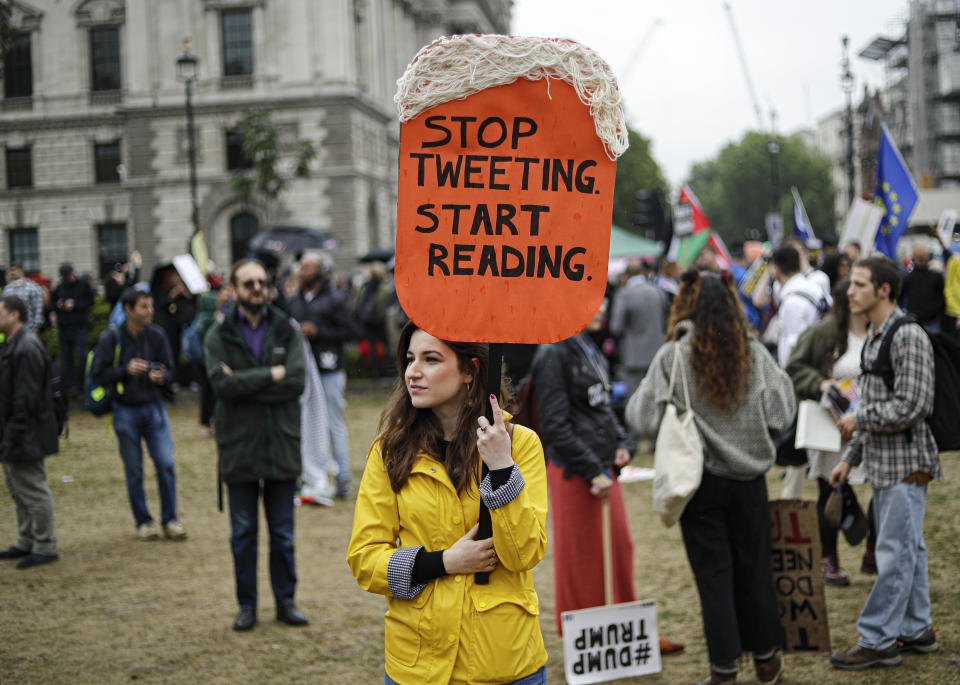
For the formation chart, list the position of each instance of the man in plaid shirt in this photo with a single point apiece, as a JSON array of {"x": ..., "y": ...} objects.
[
  {"x": 29, "y": 292},
  {"x": 891, "y": 437}
]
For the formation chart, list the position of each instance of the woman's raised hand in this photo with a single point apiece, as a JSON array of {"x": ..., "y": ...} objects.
[
  {"x": 469, "y": 555},
  {"x": 493, "y": 440}
]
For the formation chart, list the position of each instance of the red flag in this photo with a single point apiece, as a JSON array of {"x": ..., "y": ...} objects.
[{"x": 702, "y": 223}]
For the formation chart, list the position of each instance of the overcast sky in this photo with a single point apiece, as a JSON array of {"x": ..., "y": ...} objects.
[{"x": 686, "y": 89}]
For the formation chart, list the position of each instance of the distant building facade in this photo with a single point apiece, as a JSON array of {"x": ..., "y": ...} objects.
[
  {"x": 922, "y": 95},
  {"x": 93, "y": 125}
]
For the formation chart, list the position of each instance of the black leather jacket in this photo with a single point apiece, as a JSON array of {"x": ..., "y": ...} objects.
[
  {"x": 27, "y": 422},
  {"x": 578, "y": 426}
]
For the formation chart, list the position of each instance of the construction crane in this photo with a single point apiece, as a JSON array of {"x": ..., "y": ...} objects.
[
  {"x": 638, "y": 49},
  {"x": 743, "y": 65}
]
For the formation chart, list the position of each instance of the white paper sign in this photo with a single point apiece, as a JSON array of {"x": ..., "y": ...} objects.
[
  {"x": 816, "y": 428},
  {"x": 945, "y": 227},
  {"x": 610, "y": 642},
  {"x": 191, "y": 274},
  {"x": 863, "y": 220}
]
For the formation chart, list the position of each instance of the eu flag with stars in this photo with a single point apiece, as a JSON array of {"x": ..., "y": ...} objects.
[{"x": 896, "y": 193}]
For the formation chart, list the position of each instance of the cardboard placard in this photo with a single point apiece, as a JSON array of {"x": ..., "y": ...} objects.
[
  {"x": 504, "y": 215},
  {"x": 798, "y": 577},
  {"x": 610, "y": 642}
]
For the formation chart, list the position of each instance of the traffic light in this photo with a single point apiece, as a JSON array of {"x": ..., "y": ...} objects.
[{"x": 652, "y": 217}]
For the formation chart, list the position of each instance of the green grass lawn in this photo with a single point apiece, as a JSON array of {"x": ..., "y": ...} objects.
[{"x": 116, "y": 610}]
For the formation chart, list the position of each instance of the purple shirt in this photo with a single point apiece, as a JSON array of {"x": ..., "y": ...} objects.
[{"x": 253, "y": 336}]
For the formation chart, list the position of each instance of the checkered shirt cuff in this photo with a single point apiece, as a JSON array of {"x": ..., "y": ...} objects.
[
  {"x": 400, "y": 573},
  {"x": 506, "y": 493}
]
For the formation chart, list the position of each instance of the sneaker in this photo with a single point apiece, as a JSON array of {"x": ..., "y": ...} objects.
[
  {"x": 832, "y": 573},
  {"x": 859, "y": 658},
  {"x": 769, "y": 670},
  {"x": 174, "y": 530},
  {"x": 925, "y": 644},
  {"x": 147, "y": 531},
  {"x": 13, "y": 552},
  {"x": 32, "y": 560},
  {"x": 343, "y": 489}
]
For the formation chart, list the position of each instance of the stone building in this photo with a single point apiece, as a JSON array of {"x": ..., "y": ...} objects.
[{"x": 94, "y": 133}]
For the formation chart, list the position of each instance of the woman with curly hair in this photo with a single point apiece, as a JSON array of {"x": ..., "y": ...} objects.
[
  {"x": 741, "y": 400},
  {"x": 414, "y": 536}
]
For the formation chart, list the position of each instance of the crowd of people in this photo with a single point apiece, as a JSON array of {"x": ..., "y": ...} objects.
[{"x": 268, "y": 353}]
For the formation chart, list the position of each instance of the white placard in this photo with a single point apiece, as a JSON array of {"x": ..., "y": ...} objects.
[
  {"x": 816, "y": 428},
  {"x": 945, "y": 226},
  {"x": 610, "y": 642},
  {"x": 863, "y": 220},
  {"x": 192, "y": 277},
  {"x": 682, "y": 219}
]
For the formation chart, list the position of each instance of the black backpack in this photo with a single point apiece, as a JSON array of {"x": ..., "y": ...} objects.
[
  {"x": 946, "y": 395},
  {"x": 57, "y": 396}
]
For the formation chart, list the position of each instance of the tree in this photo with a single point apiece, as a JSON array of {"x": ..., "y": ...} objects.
[
  {"x": 261, "y": 149},
  {"x": 737, "y": 188},
  {"x": 636, "y": 170}
]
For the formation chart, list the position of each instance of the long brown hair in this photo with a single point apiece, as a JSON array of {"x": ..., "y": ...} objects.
[
  {"x": 841, "y": 314},
  {"x": 720, "y": 348},
  {"x": 406, "y": 431}
]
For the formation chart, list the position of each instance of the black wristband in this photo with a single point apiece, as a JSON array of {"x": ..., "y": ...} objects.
[
  {"x": 499, "y": 477},
  {"x": 428, "y": 565}
]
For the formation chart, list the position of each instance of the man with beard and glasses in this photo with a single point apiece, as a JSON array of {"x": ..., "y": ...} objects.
[{"x": 255, "y": 364}]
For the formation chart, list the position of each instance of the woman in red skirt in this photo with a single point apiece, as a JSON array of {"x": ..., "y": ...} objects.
[{"x": 585, "y": 445}]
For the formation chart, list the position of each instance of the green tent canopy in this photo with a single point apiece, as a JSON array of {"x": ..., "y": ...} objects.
[{"x": 623, "y": 243}]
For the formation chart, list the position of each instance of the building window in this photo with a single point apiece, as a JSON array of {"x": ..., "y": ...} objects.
[
  {"x": 105, "y": 58},
  {"x": 25, "y": 249},
  {"x": 106, "y": 162},
  {"x": 237, "y": 160},
  {"x": 237, "y": 34},
  {"x": 243, "y": 227},
  {"x": 111, "y": 246},
  {"x": 19, "y": 167},
  {"x": 18, "y": 68}
]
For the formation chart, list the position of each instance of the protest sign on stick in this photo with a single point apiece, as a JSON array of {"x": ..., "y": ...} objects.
[
  {"x": 612, "y": 641},
  {"x": 506, "y": 187},
  {"x": 508, "y": 150}
]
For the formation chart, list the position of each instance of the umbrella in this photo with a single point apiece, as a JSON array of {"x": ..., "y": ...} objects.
[
  {"x": 378, "y": 254},
  {"x": 279, "y": 239}
]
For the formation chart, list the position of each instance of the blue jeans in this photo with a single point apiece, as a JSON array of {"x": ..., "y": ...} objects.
[
  {"x": 538, "y": 678},
  {"x": 334, "y": 384},
  {"x": 278, "y": 508},
  {"x": 148, "y": 422},
  {"x": 899, "y": 603},
  {"x": 73, "y": 347}
]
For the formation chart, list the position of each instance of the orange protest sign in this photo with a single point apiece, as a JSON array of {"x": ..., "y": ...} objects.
[{"x": 504, "y": 215}]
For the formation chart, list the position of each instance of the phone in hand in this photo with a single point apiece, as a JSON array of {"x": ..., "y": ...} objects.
[{"x": 839, "y": 401}]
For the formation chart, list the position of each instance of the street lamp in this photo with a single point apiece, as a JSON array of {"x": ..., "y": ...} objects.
[
  {"x": 846, "y": 84},
  {"x": 187, "y": 65}
]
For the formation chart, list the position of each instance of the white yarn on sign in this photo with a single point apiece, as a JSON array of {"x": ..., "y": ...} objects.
[{"x": 455, "y": 67}]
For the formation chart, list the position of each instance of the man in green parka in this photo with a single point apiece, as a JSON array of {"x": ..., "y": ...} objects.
[{"x": 255, "y": 363}]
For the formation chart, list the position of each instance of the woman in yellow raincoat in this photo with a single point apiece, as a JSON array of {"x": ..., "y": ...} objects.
[{"x": 414, "y": 529}]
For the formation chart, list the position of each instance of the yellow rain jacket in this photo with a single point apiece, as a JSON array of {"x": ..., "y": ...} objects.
[{"x": 452, "y": 630}]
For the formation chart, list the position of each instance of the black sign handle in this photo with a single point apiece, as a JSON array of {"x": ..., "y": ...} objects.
[{"x": 493, "y": 388}]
